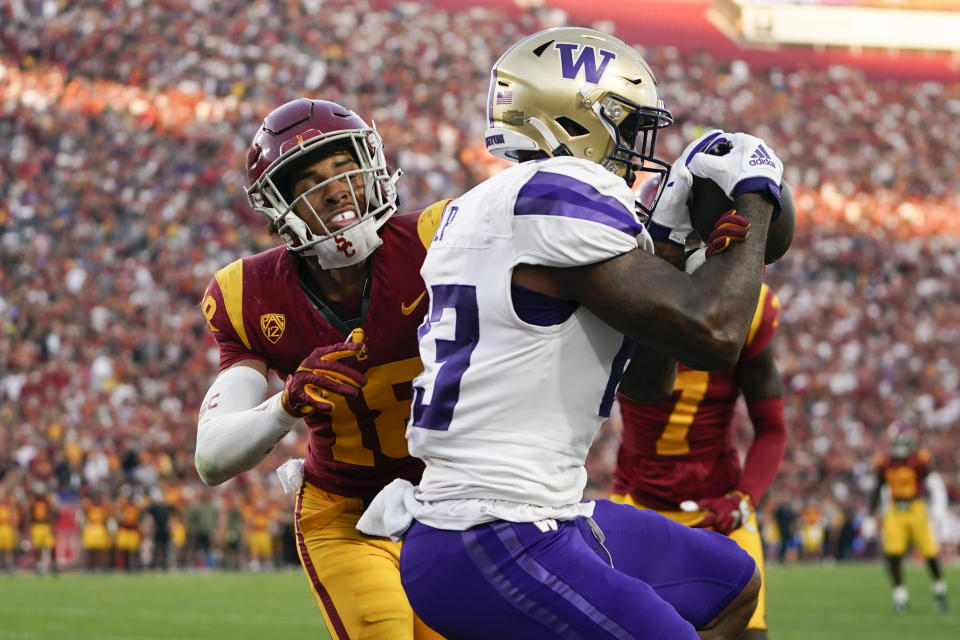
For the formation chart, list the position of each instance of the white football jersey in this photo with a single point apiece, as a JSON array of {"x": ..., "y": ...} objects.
[{"x": 505, "y": 410}]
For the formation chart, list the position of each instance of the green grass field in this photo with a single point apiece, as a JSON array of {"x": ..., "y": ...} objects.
[{"x": 845, "y": 602}]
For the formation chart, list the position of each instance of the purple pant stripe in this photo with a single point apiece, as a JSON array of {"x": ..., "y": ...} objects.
[
  {"x": 542, "y": 575},
  {"x": 512, "y": 593}
]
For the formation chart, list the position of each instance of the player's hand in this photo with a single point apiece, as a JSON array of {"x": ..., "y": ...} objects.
[
  {"x": 321, "y": 374},
  {"x": 670, "y": 220},
  {"x": 725, "y": 513},
  {"x": 748, "y": 165},
  {"x": 730, "y": 228}
]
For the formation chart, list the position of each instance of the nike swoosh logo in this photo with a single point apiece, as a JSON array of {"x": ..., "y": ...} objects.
[{"x": 408, "y": 309}]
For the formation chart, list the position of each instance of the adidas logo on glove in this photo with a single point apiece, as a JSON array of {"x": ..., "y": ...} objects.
[{"x": 761, "y": 156}]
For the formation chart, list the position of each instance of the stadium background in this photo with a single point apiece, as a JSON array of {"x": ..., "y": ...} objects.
[{"x": 123, "y": 130}]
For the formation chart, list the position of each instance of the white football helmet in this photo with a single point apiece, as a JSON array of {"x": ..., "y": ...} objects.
[
  {"x": 579, "y": 92},
  {"x": 903, "y": 438}
]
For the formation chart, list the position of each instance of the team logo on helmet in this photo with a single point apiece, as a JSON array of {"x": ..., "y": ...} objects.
[
  {"x": 587, "y": 60},
  {"x": 272, "y": 325}
]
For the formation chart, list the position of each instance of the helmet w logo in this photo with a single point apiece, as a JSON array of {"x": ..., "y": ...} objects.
[{"x": 587, "y": 60}]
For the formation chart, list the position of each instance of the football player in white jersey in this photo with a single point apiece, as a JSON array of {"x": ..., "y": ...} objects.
[{"x": 543, "y": 284}]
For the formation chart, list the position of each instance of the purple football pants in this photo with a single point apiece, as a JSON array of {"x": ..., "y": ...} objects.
[{"x": 510, "y": 580}]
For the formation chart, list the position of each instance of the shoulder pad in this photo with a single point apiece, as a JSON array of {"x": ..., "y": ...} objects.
[
  {"x": 230, "y": 280},
  {"x": 429, "y": 220}
]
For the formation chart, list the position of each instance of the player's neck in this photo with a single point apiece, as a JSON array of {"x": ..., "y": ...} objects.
[{"x": 339, "y": 284}]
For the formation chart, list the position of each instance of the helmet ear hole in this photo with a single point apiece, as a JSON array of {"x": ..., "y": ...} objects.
[
  {"x": 524, "y": 155},
  {"x": 571, "y": 126}
]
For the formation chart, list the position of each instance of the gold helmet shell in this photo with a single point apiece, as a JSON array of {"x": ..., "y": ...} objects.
[{"x": 578, "y": 92}]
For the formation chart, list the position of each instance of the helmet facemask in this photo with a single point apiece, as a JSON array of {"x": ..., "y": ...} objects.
[{"x": 633, "y": 129}]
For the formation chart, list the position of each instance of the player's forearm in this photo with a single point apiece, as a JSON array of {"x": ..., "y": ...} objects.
[
  {"x": 766, "y": 452},
  {"x": 705, "y": 324},
  {"x": 701, "y": 320},
  {"x": 725, "y": 293},
  {"x": 237, "y": 428},
  {"x": 650, "y": 377},
  {"x": 875, "y": 495},
  {"x": 937, "y": 490}
]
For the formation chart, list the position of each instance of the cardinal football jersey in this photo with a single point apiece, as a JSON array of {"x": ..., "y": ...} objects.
[
  {"x": 506, "y": 408},
  {"x": 257, "y": 308},
  {"x": 682, "y": 448},
  {"x": 905, "y": 476}
]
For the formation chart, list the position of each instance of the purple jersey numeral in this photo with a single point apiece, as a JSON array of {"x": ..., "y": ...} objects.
[
  {"x": 617, "y": 367},
  {"x": 445, "y": 222},
  {"x": 453, "y": 354}
]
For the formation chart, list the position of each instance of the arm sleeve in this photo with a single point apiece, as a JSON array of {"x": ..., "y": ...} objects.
[
  {"x": 766, "y": 452},
  {"x": 937, "y": 490},
  {"x": 879, "y": 462},
  {"x": 766, "y": 319},
  {"x": 237, "y": 428}
]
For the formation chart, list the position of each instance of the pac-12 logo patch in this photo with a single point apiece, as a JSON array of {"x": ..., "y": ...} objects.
[{"x": 272, "y": 325}]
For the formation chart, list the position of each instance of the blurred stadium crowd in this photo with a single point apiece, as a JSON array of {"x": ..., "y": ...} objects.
[{"x": 123, "y": 132}]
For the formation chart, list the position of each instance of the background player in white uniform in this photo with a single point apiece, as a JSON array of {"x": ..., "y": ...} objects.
[{"x": 535, "y": 278}]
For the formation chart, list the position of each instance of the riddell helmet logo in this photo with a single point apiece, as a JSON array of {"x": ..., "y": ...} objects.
[
  {"x": 272, "y": 325},
  {"x": 344, "y": 246},
  {"x": 761, "y": 156}
]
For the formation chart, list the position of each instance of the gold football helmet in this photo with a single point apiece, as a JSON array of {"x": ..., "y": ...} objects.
[{"x": 576, "y": 92}]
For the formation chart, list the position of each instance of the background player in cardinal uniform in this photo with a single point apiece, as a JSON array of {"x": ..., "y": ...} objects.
[
  {"x": 535, "y": 277},
  {"x": 41, "y": 514},
  {"x": 128, "y": 537},
  {"x": 335, "y": 313},
  {"x": 9, "y": 527},
  {"x": 681, "y": 450},
  {"x": 95, "y": 537},
  {"x": 910, "y": 481}
]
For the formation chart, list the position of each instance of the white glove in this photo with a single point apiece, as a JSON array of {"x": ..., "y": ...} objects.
[
  {"x": 750, "y": 165},
  {"x": 671, "y": 218}
]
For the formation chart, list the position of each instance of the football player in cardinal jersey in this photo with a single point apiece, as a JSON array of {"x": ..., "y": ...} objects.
[
  {"x": 677, "y": 456},
  {"x": 334, "y": 312},
  {"x": 541, "y": 280},
  {"x": 41, "y": 514},
  {"x": 10, "y": 515},
  {"x": 910, "y": 481}
]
